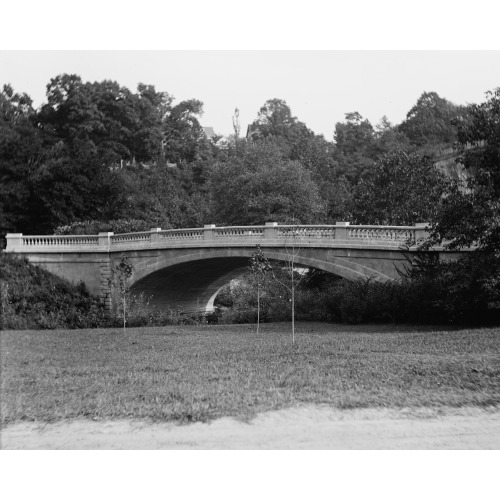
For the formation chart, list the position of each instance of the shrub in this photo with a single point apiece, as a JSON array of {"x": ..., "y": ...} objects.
[
  {"x": 463, "y": 291},
  {"x": 225, "y": 297},
  {"x": 142, "y": 313},
  {"x": 214, "y": 317},
  {"x": 34, "y": 298},
  {"x": 466, "y": 290}
]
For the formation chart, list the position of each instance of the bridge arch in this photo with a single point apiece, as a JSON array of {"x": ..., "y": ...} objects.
[
  {"x": 340, "y": 266},
  {"x": 190, "y": 281}
]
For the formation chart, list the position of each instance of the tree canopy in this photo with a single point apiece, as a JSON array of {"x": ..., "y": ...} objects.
[
  {"x": 471, "y": 216},
  {"x": 100, "y": 152},
  {"x": 275, "y": 120},
  {"x": 261, "y": 185},
  {"x": 20, "y": 152},
  {"x": 401, "y": 189},
  {"x": 430, "y": 121}
]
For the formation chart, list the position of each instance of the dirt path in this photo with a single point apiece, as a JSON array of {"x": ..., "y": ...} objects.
[{"x": 309, "y": 427}]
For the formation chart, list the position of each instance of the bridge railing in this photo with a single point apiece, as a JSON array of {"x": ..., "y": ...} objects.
[
  {"x": 18, "y": 240},
  {"x": 341, "y": 233}
]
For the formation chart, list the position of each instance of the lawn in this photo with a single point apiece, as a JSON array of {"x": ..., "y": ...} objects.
[{"x": 199, "y": 373}]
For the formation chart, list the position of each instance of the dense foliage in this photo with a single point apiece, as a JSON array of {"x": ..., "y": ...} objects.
[
  {"x": 446, "y": 292},
  {"x": 262, "y": 185},
  {"x": 34, "y": 298},
  {"x": 471, "y": 216},
  {"x": 400, "y": 189},
  {"x": 430, "y": 121},
  {"x": 97, "y": 151}
]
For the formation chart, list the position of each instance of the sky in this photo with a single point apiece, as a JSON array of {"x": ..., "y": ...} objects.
[{"x": 319, "y": 86}]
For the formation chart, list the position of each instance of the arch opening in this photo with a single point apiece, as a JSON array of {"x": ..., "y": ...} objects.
[
  {"x": 190, "y": 286},
  {"x": 193, "y": 286}
]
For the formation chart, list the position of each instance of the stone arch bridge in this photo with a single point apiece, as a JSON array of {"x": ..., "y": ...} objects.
[{"x": 185, "y": 268}]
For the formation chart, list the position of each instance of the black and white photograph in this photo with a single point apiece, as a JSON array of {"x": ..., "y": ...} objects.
[{"x": 250, "y": 248}]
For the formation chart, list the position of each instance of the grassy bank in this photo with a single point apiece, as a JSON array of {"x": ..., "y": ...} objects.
[{"x": 197, "y": 373}]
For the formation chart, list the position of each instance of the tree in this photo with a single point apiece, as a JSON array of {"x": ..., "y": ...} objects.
[
  {"x": 259, "y": 268},
  {"x": 151, "y": 109},
  {"x": 354, "y": 142},
  {"x": 275, "y": 120},
  {"x": 71, "y": 115},
  {"x": 317, "y": 155},
  {"x": 471, "y": 216},
  {"x": 183, "y": 134},
  {"x": 389, "y": 138},
  {"x": 339, "y": 197},
  {"x": 20, "y": 154},
  {"x": 354, "y": 136},
  {"x": 97, "y": 151},
  {"x": 158, "y": 195},
  {"x": 430, "y": 121},
  {"x": 120, "y": 276},
  {"x": 292, "y": 278},
  {"x": 468, "y": 289},
  {"x": 401, "y": 189},
  {"x": 285, "y": 274},
  {"x": 261, "y": 185}
]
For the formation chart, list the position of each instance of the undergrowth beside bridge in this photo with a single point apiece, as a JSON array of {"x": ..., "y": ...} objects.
[
  {"x": 429, "y": 291},
  {"x": 32, "y": 298},
  {"x": 458, "y": 292}
]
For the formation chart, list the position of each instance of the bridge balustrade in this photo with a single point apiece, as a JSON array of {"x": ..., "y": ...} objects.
[
  {"x": 181, "y": 234},
  {"x": 239, "y": 232},
  {"x": 384, "y": 234},
  {"x": 306, "y": 235},
  {"x": 131, "y": 238},
  {"x": 29, "y": 242},
  {"x": 306, "y": 232}
]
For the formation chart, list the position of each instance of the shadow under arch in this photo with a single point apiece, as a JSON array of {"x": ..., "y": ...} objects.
[{"x": 190, "y": 281}]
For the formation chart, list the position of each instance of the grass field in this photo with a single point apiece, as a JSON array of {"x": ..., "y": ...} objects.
[{"x": 199, "y": 373}]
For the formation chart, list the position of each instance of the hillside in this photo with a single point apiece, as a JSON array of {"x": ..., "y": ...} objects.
[{"x": 32, "y": 298}]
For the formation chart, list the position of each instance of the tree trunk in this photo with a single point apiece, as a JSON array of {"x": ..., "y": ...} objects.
[
  {"x": 258, "y": 307},
  {"x": 293, "y": 310}
]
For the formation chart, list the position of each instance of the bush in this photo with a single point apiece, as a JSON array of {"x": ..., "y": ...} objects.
[
  {"x": 140, "y": 312},
  {"x": 360, "y": 301},
  {"x": 34, "y": 298},
  {"x": 225, "y": 297},
  {"x": 466, "y": 290},
  {"x": 463, "y": 291}
]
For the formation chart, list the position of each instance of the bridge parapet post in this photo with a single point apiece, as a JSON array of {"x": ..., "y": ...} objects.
[
  {"x": 270, "y": 231},
  {"x": 341, "y": 230},
  {"x": 208, "y": 232},
  {"x": 155, "y": 236},
  {"x": 14, "y": 242},
  {"x": 421, "y": 231},
  {"x": 105, "y": 240}
]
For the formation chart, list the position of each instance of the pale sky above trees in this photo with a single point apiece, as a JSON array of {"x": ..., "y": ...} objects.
[{"x": 319, "y": 86}]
